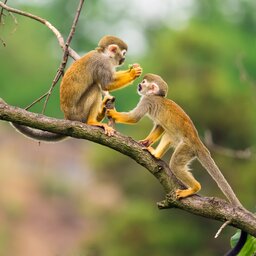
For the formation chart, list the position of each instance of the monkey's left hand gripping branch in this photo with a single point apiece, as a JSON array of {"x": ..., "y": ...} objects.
[{"x": 209, "y": 207}]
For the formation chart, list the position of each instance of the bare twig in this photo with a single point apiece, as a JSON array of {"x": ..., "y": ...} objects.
[
  {"x": 15, "y": 23},
  {"x": 240, "y": 154},
  {"x": 60, "y": 39},
  {"x": 222, "y": 227},
  {"x": 2, "y": 22},
  {"x": 1, "y": 13},
  {"x": 65, "y": 54}
]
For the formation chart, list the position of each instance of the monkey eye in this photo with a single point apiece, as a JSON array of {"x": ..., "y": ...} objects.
[
  {"x": 144, "y": 81},
  {"x": 124, "y": 52}
]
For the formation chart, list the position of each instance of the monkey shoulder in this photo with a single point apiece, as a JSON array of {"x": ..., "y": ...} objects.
[{"x": 102, "y": 70}]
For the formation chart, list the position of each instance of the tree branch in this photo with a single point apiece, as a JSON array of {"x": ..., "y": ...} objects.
[
  {"x": 209, "y": 207},
  {"x": 65, "y": 54}
]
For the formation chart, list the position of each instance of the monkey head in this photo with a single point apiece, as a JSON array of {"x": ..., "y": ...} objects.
[
  {"x": 153, "y": 85},
  {"x": 114, "y": 48}
]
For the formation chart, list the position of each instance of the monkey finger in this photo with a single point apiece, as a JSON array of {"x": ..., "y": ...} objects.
[
  {"x": 135, "y": 65},
  {"x": 109, "y": 130},
  {"x": 109, "y": 112},
  {"x": 108, "y": 98}
]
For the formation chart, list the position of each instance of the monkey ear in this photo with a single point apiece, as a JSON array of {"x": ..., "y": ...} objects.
[
  {"x": 113, "y": 48},
  {"x": 155, "y": 88}
]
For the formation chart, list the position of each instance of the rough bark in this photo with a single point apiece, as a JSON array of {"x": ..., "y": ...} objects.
[{"x": 209, "y": 207}]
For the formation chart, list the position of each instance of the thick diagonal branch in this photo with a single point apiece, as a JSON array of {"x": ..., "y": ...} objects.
[{"x": 212, "y": 208}]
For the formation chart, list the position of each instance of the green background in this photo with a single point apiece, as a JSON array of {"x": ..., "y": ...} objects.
[{"x": 79, "y": 198}]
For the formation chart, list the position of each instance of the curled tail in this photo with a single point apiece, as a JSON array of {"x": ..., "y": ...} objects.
[
  {"x": 38, "y": 134},
  {"x": 208, "y": 163},
  {"x": 239, "y": 245}
]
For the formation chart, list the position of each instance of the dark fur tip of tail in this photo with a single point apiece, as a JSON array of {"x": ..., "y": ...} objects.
[{"x": 240, "y": 244}]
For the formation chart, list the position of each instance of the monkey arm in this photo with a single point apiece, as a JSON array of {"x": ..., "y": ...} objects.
[
  {"x": 123, "y": 117},
  {"x": 154, "y": 135},
  {"x": 123, "y": 78},
  {"x": 130, "y": 117}
]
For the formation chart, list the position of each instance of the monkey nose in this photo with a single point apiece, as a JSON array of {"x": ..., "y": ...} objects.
[{"x": 139, "y": 87}]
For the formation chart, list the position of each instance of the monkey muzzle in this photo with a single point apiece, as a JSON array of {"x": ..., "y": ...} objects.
[{"x": 121, "y": 61}]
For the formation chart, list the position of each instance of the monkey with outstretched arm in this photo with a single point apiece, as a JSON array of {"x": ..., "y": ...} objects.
[
  {"x": 83, "y": 84},
  {"x": 178, "y": 132}
]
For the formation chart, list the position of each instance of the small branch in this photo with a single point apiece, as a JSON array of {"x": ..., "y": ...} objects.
[
  {"x": 240, "y": 154},
  {"x": 60, "y": 39},
  {"x": 1, "y": 13},
  {"x": 209, "y": 207},
  {"x": 65, "y": 54},
  {"x": 221, "y": 228}
]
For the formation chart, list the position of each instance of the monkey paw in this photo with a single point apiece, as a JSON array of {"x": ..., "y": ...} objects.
[
  {"x": 108, "y": 130},
  {"x": 182, "y": 193},
  {"x": 136, "y": 70},
  {"x": 110, "y": 113},
  {"x": 108, "y": 98},
  {"x": 145, "y": 143}
]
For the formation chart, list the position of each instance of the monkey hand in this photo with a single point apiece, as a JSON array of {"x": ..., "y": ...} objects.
[
  {"x": 135, "y": 70},
  {"x": 145, "y": 143},
  {"x": 111, "y": 113},
  {"x": 108, "y": 101}
]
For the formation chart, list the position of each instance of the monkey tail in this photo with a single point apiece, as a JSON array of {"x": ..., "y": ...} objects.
[
  {"x": 208, "y": 163},
  {"x": 38, "y": 134},
  {"x": 240, "y": 244}
]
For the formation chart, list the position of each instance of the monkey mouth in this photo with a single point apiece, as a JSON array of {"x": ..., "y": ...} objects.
[{"x": 121, "y": 61}]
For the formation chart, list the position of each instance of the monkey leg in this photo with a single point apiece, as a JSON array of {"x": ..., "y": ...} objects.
[
  {"x": 162, "y": 147},
  {"x": 179, "y": 162},
  {"x": 92, "y": 120},
  {"x": 154, "y": 135}
]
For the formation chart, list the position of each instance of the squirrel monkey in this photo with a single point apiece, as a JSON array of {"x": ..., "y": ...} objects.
[
  {"x": 83, "y": 84},
  {"x": 178, "y": 132}
]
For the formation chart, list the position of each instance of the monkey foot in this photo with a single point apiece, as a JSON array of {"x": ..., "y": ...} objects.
[
  {"x": 145, "y": 143},
  {"x": 182, "y": 193},
  {"x": 108, "y": 130}
]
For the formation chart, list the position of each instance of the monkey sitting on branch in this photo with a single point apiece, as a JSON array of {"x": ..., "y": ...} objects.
[
  {"x": 83, "y": 84},
  {"x": 178, "y": 132}
]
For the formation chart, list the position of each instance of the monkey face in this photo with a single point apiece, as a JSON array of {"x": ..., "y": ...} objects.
[
  {"x": 153, "y": 85},
  {"x": 148, "y": 88},
  {"x": 116, "y": 55}
]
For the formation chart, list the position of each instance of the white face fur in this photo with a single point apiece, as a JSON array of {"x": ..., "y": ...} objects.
[{"x": 148, "y": 88}]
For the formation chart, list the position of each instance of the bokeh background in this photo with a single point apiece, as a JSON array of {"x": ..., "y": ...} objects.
[{"x": 78, "y": 198}]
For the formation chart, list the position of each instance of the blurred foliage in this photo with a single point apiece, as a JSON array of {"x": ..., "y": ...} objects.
[{"x": 208, "y": 60}]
